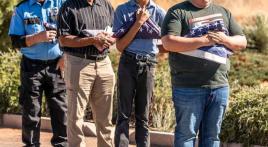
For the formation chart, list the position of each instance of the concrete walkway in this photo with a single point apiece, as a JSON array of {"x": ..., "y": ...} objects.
[{"x": 12, "y": 138}]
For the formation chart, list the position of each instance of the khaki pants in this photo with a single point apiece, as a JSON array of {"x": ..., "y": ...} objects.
[{"x": 88, "y": 81}]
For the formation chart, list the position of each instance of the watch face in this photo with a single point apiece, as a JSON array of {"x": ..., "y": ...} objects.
[{"x": 54, "y": 14}]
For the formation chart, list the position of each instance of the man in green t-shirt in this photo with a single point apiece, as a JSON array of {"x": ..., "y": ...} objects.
[{"x": 200, "y": 37}]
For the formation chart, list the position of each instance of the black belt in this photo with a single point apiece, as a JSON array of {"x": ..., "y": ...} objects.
[
  {"x": 90, "y": 57},
  {"x": 41, "y": 62},
  {"x": 140, "y": 57}
]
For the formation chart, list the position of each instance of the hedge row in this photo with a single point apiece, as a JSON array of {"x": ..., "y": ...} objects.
[{"x": 246, "y": 120}]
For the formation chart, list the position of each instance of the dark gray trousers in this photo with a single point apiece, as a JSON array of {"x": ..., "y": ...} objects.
[
  {"x": 37, "y": 77},
  {"x": 135, "y": 85}
]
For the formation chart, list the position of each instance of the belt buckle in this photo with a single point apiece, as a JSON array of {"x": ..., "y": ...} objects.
[
  {"x": 98, "y": 58},
  {"x": 139, "y": 57},
  {"x": 147, "y": 57}
]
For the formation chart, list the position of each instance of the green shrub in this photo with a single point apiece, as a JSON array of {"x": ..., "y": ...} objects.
[
  {"x": 246, "y": 120},
  {"x": 257, "y": 33},
  {"x": 162, "y": 111},
  {"x": 6, "y": 10},
  {"x": 114, "y": 56},
  {"x": 9, "y": 81}
]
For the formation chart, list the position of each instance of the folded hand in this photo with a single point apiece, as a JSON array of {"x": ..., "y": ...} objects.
[{"x": 103, "y": 40}]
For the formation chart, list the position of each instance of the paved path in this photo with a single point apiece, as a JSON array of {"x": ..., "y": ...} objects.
[{"x": 12, "y": 138}]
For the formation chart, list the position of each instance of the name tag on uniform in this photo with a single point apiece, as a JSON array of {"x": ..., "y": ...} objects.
[{"x": 34, "y": 20}]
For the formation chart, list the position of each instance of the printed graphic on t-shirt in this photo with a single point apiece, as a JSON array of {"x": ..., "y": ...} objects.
[{"x": 201, "y": 26}]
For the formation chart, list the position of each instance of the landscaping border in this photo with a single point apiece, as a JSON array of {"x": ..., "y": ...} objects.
[{"x": 157, "y": 138}]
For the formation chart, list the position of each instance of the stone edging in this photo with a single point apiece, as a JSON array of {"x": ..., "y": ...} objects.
[{"x": 157, "y": 138}]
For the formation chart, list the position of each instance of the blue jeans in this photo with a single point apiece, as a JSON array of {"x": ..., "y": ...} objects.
[{"x": 199, "y": 111}]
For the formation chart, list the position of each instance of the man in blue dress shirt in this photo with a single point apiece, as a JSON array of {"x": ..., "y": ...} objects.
[
  {"x": 33, "y": 31},
  {"x": 139, "y": 48}
]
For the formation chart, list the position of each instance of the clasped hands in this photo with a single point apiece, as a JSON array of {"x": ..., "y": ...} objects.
[
  {"x": 215, "y": 37},
  {"x": 103, "y": 40}
]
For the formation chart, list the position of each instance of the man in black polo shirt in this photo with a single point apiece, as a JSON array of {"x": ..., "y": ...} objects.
[{"x": 88, "y": 72}]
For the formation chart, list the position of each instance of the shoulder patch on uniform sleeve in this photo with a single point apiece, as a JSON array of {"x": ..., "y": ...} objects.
[{"x": 21, "y": 2}]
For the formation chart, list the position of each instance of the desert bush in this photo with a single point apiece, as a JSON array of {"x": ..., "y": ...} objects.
[
  {"x": 246, "y": 118},
  {"x": 248, "y": 68},
  {"x": 257, "y": 33}
]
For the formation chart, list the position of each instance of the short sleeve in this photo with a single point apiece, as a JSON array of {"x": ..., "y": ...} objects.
[
  {"x": 118, "y": 19},
  {"x": 17, "y": 23},
  {"x": 234, "y": 28},
  {"x": 65, "y": 19},
  {"x": 171, "y": 24}
]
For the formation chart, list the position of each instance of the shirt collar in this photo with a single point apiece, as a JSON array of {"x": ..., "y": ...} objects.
[
  {"x": 134, "y": 3},
  {"x": 97, "y": 2},
  {"x": 32, "y": 2},
  {"x": 35, "y": 1}
]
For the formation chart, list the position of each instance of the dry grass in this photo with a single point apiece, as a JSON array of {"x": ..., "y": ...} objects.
[{"x": 241, "y": 9}]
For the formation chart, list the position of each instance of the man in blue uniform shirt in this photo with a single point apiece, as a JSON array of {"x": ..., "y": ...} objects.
[{"x": 33, "y": 31}]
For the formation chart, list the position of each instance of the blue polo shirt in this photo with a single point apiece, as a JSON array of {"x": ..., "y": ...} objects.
[
  {"x": 29, "y": 18},
  {"x": 122, "y": 15}
]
